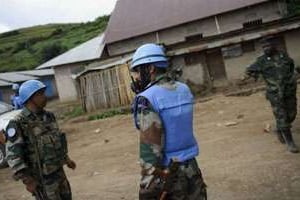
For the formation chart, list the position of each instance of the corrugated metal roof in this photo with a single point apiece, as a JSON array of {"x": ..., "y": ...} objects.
[
  {"x": 136, "y": 17},
  {"x": 4, "y": 83},
  {"x": 104, "y": 65},
  {"x": 89, "y": 50},
  {"x": 15, "y": 77},
  {"x": 39, "y": 72}
]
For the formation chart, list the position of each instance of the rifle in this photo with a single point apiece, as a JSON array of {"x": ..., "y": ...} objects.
[{"x": 39, "y": 193}]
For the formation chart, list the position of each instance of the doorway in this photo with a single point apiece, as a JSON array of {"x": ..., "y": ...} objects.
[{"x": 216, "y": 67}]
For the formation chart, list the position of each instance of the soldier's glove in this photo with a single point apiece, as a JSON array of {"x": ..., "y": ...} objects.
[
  {"x": 70, "y": 164},
  {"x": 31, "y": 183}
]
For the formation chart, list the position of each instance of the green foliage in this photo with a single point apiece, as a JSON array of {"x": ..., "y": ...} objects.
[
  {"x": 57, "y": 31},
  {"x": 293, "y": 7},
  {"x": 19, "y": 46},
  {"x": 52, "y": 50},
  {"x": 75, "y": 112},
  {"x": 25, "y": 48},
  {"x": 110, "y": 113},
  {"x": 10, "y": 33}
]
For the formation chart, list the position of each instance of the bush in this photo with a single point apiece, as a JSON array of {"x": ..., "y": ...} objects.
[
  {"x": 102, "y": 19},
  {"x": 8, "y": 48},
  {"x": 57, "y": 31},
  {"x": 27, "y": 44},
  {"x": 9, "y": 33},
  {"x": 33, "y": 40},
  {"x": 19, "y": 47},
  {"x": 52, "y": 50},
  {"x": 293, "y": 7}
]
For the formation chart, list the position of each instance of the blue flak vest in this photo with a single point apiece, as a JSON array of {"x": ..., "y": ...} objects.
[{"x": 175, "y": 108}]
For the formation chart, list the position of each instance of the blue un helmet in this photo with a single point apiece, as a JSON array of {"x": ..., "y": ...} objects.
[
  {"x": 149, "y": 53},
  {"x": 144, "y": 56},
  {"x": 28, "y": 89}
]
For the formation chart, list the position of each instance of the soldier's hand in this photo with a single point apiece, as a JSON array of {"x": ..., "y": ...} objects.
[
  {"x": 242, "y": 80},
  {"x": 71, "y": 164},
  {"x": 2, "y": 137},
  {"x": 31, "y": 184}
]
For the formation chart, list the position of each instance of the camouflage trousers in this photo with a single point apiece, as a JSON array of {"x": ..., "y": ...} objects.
[
  {"x": 284, "y": 110},
  {"x": 56, "y": 186},
  {"x": 185, "y": 184}
]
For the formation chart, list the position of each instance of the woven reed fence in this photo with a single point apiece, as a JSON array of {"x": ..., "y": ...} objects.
[{"x": 107, "y": 88}]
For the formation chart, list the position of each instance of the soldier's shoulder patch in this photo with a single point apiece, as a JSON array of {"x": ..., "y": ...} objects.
[{"x": 11, "y": 132}]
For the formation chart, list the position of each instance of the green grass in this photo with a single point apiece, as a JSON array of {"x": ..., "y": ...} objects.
[
  {"x": 75, "y": 112},
  {"x": 22, "y": 49},
  {"x": 110, "y": 113}
]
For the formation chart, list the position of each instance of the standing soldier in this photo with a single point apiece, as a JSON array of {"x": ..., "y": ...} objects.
[
  {"x": 36, "y": 148},
  {"x": 163, "y": 113},
  {"x": 277, "y": 70},
  {"x": 15, "y": 99}
]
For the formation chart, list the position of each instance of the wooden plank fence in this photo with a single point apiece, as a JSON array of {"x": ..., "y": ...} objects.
[{"x": 106, "y": 88}]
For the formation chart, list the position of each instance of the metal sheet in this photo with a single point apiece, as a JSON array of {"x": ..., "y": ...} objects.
[
  {"x": 40, "y": 72},
  {"x": 14, "y": 77},
  {"x": 136, "y": 17},
  {"x": 89, "y": 50}
]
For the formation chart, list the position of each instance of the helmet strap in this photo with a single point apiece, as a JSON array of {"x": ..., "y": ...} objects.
[
  {"x": 145, "y": 76},
  {"x": 138, "y": 86}
]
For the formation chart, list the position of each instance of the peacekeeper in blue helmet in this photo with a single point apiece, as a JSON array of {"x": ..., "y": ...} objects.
[
  {"x": 15, "y": 99},
  {"x": 36, "y": 148},
  {"x": 163, "y": 114}
]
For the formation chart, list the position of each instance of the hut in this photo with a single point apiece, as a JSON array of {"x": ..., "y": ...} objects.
[{"x": 105, "y": 85}]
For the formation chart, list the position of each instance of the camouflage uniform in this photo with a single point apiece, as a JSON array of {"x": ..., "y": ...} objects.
[
  {"x": 184, "y": 183},
  {"x": 278, "y": 72},
  {"x": 36, "y": 148}
]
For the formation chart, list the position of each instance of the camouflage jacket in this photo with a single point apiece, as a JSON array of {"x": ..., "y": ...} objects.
[
  {"x": 35, "y": 145},
  {"x": 278, "y": 71},
  {"x": 151, "y": 130}
]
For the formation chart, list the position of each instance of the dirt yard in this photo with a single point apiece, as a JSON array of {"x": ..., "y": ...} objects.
[{"x": 238, "y": 159}]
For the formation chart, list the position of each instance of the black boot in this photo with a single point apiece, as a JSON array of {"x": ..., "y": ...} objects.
[
  {"x": 280, "y": 136},
  {"x": 287, "y": 135}
]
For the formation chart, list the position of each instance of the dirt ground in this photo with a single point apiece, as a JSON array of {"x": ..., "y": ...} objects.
[{"x": 238, "y": 159}]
